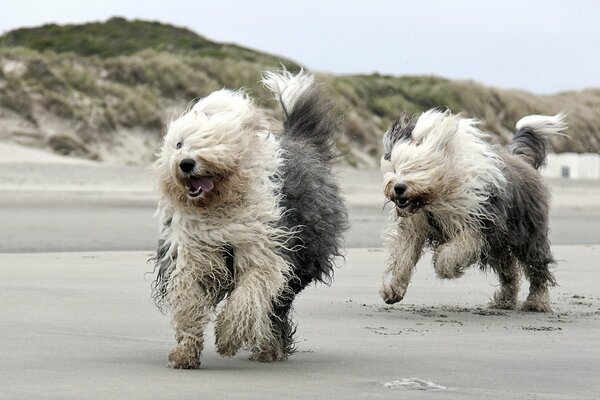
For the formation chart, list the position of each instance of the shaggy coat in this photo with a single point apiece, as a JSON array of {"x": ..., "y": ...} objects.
[
  {"x": 470, "y": 202},
  {"x": 248, "y": 218}
]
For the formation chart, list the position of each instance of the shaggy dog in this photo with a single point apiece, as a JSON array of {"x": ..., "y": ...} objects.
[
  {"x": 248, "y": 218},
  {"x": 470, "y": 202}
]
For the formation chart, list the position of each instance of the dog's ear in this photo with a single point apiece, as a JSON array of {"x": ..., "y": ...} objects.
[{"x": 400, "y": 131}]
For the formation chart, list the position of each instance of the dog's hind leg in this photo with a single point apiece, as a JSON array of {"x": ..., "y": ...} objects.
[
  {"x": 405, "y": 246},
  {"x": 536, "y": 268},
  {"x": 191, "y": 306},
  {"x": 505, "y": 297},
  {"x": 452, "y": 258},
  {"x": 245, "y": 318},
  {"x": 535, "y": 265},
  {"x": 538, "y": 298}
]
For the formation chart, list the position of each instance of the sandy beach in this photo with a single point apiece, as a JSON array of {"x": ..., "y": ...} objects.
[
  {"x": 82, "y": 326},
  {"x": 78, "y": 322}
]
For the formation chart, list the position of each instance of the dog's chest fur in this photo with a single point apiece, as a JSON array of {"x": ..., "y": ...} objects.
[
  {"x": 204, "y": 250},
  {"x": 435, "y": 234}
]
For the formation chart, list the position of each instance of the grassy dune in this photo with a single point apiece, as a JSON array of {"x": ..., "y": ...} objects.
[{"x": 107, "y": 90}]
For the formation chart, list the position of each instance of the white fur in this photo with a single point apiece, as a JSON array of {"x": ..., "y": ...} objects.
[
  {"x": 448, "y": 154},
  {"x": 224, "y": 132},
  {"x": 449, "y": 159},
  {"x": 450, "y": 171},
  {"x": 544, "y": 125},
  {"x": 287, "y": 87}
]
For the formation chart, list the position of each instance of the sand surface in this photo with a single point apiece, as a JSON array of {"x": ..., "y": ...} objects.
[
  {"x": 14, "y": 153},
  {"x": 89, "y": 207},
  {"x": 82, "y": 326}
]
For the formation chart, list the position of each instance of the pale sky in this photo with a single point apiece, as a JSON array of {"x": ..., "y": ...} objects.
[{"x": 539, "y": 45}]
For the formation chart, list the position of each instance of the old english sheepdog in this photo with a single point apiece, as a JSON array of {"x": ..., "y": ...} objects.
[
  {"x": 248, "y": 218},
  {"x": 469, "y": 201}
]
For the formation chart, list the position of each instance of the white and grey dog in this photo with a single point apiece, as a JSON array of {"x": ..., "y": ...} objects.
[
  {"x": 248, "y": 218},
  {"x": 469, "y": 201}
]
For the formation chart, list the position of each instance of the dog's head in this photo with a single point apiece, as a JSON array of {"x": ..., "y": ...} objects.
[
  {"x": 204, "y": 156},
  {"x": 434, "y": 158}
]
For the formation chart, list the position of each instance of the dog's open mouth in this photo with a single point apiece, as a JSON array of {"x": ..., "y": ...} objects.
[
  {"x": 196, "y": 185},
  {"x": 409, "y": 204},
  {"x": 403, "y": 202}
]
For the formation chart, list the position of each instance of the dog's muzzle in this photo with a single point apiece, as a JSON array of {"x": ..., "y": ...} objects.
[
  {"x": 195, "y": 184},
  {"x": 406, "y": 204},
  {"x": 405, "y": 207}
]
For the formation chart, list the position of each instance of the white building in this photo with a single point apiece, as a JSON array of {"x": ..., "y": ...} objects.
[{"x": 573, "y": 165}]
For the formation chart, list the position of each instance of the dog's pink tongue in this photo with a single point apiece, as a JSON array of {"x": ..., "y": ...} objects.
[{"x": 202, "y": 182}]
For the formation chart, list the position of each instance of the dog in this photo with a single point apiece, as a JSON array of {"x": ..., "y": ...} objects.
[
  {"x": 248, "y": 218},
  {"x": 471, "y": 202}
]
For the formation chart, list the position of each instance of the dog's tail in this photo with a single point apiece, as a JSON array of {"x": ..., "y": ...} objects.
[
  {"x": 532, "y": 136},
  {"x": 307, "y": 114}
]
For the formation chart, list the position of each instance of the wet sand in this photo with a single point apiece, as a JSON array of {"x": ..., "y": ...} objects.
[
  {"x": 77, "y": 321},
  {"x": 92, "y": 207},
  {"x": 82, "y": 326}
]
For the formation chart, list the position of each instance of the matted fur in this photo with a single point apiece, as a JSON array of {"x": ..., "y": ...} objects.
[
  {"x": 470, "y": 202},
  {"x": 271, "y": 224}
]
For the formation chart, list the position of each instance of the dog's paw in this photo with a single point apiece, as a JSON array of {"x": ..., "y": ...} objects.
[
  {"x": 536, "y": 306},
  {"x": 185, "y": 355},
  {"x": 538, "y": 300},
  {"x": 270, "y": 355},
  {"x": 503, "y": 301},
  {"x": 392, "y": 294},
  {"x": 503, "y": 305}
]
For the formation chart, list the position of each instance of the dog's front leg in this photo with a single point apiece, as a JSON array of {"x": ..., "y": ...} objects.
[
  {"x": 245, "y": 318},
  {"x": 452, "y": 258},
  {"x": 190, "y": 306},
  {"x": 405, "y": 246}
]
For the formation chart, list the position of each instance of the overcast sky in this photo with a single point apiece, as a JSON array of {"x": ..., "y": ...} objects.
[{"x": 539, "y": 45}]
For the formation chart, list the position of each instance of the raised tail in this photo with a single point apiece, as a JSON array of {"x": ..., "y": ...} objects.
[
  {"x": 307, "y": 114},
  {"x": 532, "y": 136}
]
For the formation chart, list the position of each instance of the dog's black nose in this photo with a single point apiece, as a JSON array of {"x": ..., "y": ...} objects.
[
  {"x": 187, "y": 164},
  {"x": 399, "y": 189}
]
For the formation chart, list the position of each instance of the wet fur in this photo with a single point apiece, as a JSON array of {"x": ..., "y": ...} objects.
[
  {"x": 483, "y": 205},
  {"x": 273, "y": 228}
]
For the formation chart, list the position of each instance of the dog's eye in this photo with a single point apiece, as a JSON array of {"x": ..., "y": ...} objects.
[{"x": 178, "y": 146}]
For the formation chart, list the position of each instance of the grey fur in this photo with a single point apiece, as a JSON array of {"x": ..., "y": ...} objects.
[
  {"x": 530, "y": 146},
  {"x": 313, "y": 207},
  {"x": 514, "y": 227},
  {"x": 164, "y": 261},
  {"x": 401, "y": 130},
  {"x": 519, "y": 233},
  {"x": 312, "y": 200}
]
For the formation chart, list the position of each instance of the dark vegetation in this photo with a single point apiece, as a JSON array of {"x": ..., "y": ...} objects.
[{"x": 74, "y": 87}]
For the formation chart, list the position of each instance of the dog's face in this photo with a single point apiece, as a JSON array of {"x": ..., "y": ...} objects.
[
  {"x": 418, "y": 160},
  {"x": 201, "y": 161}
]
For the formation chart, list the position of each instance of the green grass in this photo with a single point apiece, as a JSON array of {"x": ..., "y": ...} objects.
[
  {"x": 106, "y": 78},
  {"x": 119, "y": 37}
]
